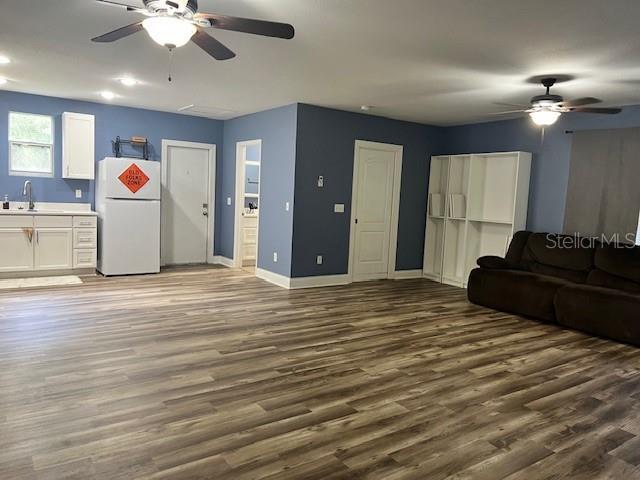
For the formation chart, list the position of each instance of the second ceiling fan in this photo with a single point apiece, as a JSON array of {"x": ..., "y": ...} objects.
[
  {"x": 174, "y": 23},
  {"x": 546, "y": 109}
]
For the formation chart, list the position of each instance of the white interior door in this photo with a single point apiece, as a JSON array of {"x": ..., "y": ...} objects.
[
  {"x": 186, "y": 205},
  {"x": 377, "y": 173}
]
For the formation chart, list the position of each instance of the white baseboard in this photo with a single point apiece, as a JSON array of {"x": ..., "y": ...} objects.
[
  {"x": 320, "y": 281},
  {"x": 405, "y": 274},
  {"x": 323, "y": 280},
  {"x": 220, "y": 260},
  {"x": 275, "y": 278}
]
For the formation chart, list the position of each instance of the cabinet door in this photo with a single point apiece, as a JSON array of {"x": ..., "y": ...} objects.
[
  {"x": 16, "y": 249},
  {"x": 78, "y": 146},
  {"x": 54, "y": 249}
]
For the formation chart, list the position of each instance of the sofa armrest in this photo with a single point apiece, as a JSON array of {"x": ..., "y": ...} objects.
[{"x": 492, "y": 262}]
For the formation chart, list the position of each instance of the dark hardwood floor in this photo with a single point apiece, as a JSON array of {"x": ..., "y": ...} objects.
[{"x": 211, "y": 373}]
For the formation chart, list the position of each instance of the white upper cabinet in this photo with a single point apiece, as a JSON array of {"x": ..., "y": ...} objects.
[{"x": 78, "y": 146}]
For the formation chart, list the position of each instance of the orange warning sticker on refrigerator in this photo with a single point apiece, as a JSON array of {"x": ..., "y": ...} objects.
[{"x": 133, "y": 178}]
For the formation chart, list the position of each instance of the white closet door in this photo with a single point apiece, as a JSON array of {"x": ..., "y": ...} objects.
[{"x": 373, "y": 205}]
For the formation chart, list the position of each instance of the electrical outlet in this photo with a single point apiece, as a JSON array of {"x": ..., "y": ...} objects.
[
  {"x": 78, "y": 193},
  {"x": 275, "y": 257},
  {"x": 286, "y": 206},
  {"x": 320, "y": 181},
  {"x": 229, "y": 201},
  {"x": 319, "y": 259}
]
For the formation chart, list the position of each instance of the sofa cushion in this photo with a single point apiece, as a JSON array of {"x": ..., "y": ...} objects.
[
  {"x": 565, "y": 252},
  {"x": 619, "y": 260},
  {"x": 517, "y": 246},
  {"x": 515, "y": 291},
  {"x": 600, "y": 278},
  {"x": 600, "y": 311},
  {"x": 496, "y": 263}
]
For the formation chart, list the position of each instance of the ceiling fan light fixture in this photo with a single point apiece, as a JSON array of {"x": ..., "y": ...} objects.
[
  {"x": 544, "y": 116},
  {"x": 169, "y": 31}
]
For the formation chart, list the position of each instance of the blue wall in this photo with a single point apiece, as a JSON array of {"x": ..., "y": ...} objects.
[
  {"x": 277, "y": 130},
  {"x": 111, "y": 121},
  {"x": 325, "y": 146},
  {"x": 551, "y": 157},
  {"x": 301, "y": 142}
]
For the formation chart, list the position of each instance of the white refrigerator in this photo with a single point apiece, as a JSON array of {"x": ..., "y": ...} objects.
[{"x": 128, "y": 206}]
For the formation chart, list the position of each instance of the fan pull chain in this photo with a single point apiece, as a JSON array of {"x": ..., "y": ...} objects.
[{"x": 170, "y": 63}]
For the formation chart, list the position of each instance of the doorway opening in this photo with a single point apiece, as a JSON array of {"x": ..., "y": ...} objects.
[{"x": 247, "y": 225}]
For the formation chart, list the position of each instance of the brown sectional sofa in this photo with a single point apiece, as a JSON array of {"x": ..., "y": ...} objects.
[{"x": 576, "y": 282}]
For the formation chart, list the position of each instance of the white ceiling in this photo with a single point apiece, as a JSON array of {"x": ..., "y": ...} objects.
[{"x": 439, "y": 62}]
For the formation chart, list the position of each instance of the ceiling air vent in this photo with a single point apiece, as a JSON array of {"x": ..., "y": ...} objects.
[{"x": 209, "y": 112}]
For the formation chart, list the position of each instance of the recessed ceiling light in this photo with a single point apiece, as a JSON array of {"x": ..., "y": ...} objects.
[
  {"x": 366, "y": 108},
  {"x": 108, "y": 95},
  {"x": 128, "y": 81},
  {"x": 3, "y": 81},
  {"x": 4, "y": 60}
]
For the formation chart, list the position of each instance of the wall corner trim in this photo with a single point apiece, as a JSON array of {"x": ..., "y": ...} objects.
[
  {"x": 320, "y": 281},
  {"x": 406, "y": 274},
  {"x": 275, "y": 278},
  {"x": 220, "y": 260}
]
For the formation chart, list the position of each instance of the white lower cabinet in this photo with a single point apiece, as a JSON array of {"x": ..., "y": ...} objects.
[
  {"x": 54, "y": 249},
  {"x": 47, "y": 243},
  {"x": 16, "y": 252},
  {"x": 84, "y": 258}
]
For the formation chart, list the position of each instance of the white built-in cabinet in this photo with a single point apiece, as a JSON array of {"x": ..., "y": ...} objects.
[
  {"x": 78, "y": 146},
  {"x": 47, "y": 243},
  {"x": 476, "y": 203},
  {"x": 249, "y": 238},
  {"x": 16, "y": 254},
  {"x": 53, "y": 249}
]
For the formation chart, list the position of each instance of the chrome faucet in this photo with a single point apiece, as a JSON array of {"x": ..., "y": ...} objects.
[{"x": 28, "y": 192}]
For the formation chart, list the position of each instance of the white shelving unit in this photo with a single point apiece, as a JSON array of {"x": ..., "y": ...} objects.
[{"x": 493, "y": 191}]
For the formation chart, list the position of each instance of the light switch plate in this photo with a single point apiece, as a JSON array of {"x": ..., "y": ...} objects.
[
  {"x": 319, "y": 259},
  {"x": 320, "y": 181},
  {"x": 228, "y": 200},
  {"x": 78, "y": 193},
  {"x": 338, "y": 208}
]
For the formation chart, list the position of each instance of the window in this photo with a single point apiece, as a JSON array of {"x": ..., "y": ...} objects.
[{"x": 30, "y": 144}]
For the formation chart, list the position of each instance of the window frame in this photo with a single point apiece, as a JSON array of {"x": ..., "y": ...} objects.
[{"x": 22, "y": 173}]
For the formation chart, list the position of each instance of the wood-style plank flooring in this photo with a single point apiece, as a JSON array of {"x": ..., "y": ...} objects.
[{"x": 211, "y": 373}]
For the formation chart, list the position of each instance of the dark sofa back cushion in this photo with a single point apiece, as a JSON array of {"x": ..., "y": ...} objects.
[
  {"x": 619, "y": 260},
  {"x": 600, "y": 278},
  {"x": 516, "y": 247},
  {"x": 560, "y": 256}
]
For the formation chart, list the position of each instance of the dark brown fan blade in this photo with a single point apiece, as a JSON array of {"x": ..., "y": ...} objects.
[
  {"x": 247, "y": 25},
  {"x": 503, "y": 104},
  {"x": 579, "y": 102},
  {"x": 508, "y": 112},
  {"x": 119, "y": 33},
  {"x": 129, "y": 8},
  {"x": 608, "y": 111},
  {"x": 212, "y": 46}
]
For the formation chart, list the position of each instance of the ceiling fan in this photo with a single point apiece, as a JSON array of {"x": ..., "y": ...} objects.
[
  {"x": 546, "y": 109},
  {"x": 173, "y": 24}
]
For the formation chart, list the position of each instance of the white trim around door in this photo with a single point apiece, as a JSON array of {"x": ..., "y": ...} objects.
[
  {"x": 241, "y": 148},
  {"x": 395, "y": 207},
  {"x": 166, "y": 144}
]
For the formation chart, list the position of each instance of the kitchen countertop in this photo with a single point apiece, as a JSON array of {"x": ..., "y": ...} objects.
[{"x": 80, "y": 213}]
